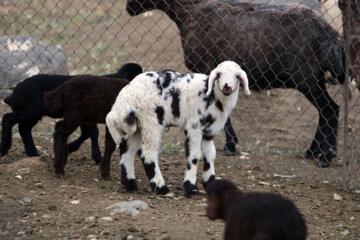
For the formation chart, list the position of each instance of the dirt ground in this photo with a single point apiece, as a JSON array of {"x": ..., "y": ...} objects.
[{"x": 274, "y": 130}]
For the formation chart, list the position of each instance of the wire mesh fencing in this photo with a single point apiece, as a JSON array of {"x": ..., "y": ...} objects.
[{"x": 294, "y": 54}]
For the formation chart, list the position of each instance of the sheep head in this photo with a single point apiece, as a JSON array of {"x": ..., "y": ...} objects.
[{"x": 227, "y": 76}]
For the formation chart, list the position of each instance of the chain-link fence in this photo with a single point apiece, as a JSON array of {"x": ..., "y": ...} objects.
[{"x": 292, "y": 55}]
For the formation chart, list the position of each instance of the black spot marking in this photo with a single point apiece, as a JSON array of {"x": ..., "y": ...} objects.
[
  {"x": 185, "y": 132},
  {"x": 167, "y": 80},
  {"x": 130, "y": 118},
  {"x": 188, "y": 166},
  {"x": 207, "y": 120},
  {"x": 158, "y": 85},
  {"x": 149, "y": 169},
  {"x": 199, "y": 112},
  {"x": 187, "y": 146},
  {"x": 208, "y": 137},
  {"x": 208, "y": 99},
  {"x": 194, "y": 161},
  {"x": 139, "y": 152},
  {"x": 195, "y": 125},
  {"x": 150, "y": 74},
  {"x": 160, "y": 114},
  {"x": 206, "y": 164},
  {"x": 188, "y": 80},
  {"x": 175, "y": 104},
  {"x": 129, "y": 184},
  {"x": 219, "y": 105},
  {"x": 123, "y": 147}
]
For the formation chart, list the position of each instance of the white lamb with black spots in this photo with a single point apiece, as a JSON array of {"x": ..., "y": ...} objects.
[{"x": 199, "y": 104}]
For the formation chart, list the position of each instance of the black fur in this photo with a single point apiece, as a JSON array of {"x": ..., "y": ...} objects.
[
  {"x": 254, "y": 215},
  {"x": 27, "y": 103},
  {"x": 160, "y": 114},
  {"x": 130, "y": 119}
]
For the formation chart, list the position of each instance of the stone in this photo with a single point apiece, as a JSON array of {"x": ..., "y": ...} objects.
[
  {"x": 129, "y": 207},
  {"x": 23, "y": 57},
  {"x": 337, "y": 197}
]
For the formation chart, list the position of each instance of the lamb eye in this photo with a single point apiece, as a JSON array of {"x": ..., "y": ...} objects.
[{"x": 218, "y": 75}]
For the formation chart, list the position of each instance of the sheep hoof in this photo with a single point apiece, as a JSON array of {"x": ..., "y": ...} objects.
[
  {"x": 205, "y": 184},
  {"x": 325, "y": 160},
  {"x": 230, "y": 149},
  {"x": 105, "y": 176},
  {"x": 311, "y": 154},
  {"x": 190, "y": 189},
  {"x": 60, "y": 174},
  {"x": 97, "y": 158},
  {"x": 159, "y": 190},
  {"x": 130, "y": 185}
]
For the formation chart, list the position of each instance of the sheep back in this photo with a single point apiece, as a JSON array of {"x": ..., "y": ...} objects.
[
  {"x": 271, "y": 42},
  {"x": 89, "y": 97}
]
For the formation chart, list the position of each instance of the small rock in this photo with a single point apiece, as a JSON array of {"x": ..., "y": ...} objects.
[
  {"x": 264, "y": 183},
  {"x": 23, "y": 171},
  {"x": 89, "y": 219},
  {"x": 26, "y": 200},
  {"x": 130, "y": 207},
  {"x": 107, "y": 219},
  {"x": 74, "y": 202},
  {"x": 91, "y": 236},
  {"x": 105, "y": 233},
  {"x": 39, "y": 185},
  {"x": 21, "y": 233},
  {"x": 352, "y": 218},
  {"x": 129, "y": 237},
  {"x": 346, "y": 232},
  {"x": 46, "y": 216},
  {"x": 337, "y": 197},
  {"x": 18, "y": 176},
  {"x": 357, "y": 191}
]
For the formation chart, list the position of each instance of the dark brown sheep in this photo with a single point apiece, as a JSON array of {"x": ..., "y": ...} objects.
[
  {"x": 278, "y": 46},
  {"x": 83, "y": 100},
  {"x": 254, "y": 215}
]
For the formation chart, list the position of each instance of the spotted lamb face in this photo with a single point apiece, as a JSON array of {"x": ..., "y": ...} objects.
[
  {"x": 226, "y": 77},
  {"x": 136, "y": 7}
]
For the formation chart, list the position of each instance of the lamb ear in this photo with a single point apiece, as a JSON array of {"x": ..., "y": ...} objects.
[
  {"x": 213, "y": 76},
  {"x": 245, "y": 82}
]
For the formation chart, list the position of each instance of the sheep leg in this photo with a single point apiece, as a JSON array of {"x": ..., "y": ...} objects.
[
  {"x": 326, "y": 134},
  {"x": 75, "y": 145},
  {"x": 8, "y": 121},
  {"x": 25, "y": 133},
  {"x": 149, "y": 157},
  {"x": 62, "y": 131},
  {"x": 231, "y": 139},
  {"x": 209, "y": 153},
  {"x": 105, "y": 162},
  {"x": 93, "y": 132},
  {"x": 128, "y": 150},
  {"x": 193, "y": 155}
]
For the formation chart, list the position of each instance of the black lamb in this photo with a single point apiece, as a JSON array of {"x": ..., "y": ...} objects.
[{"x": 27, "y": 103}]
